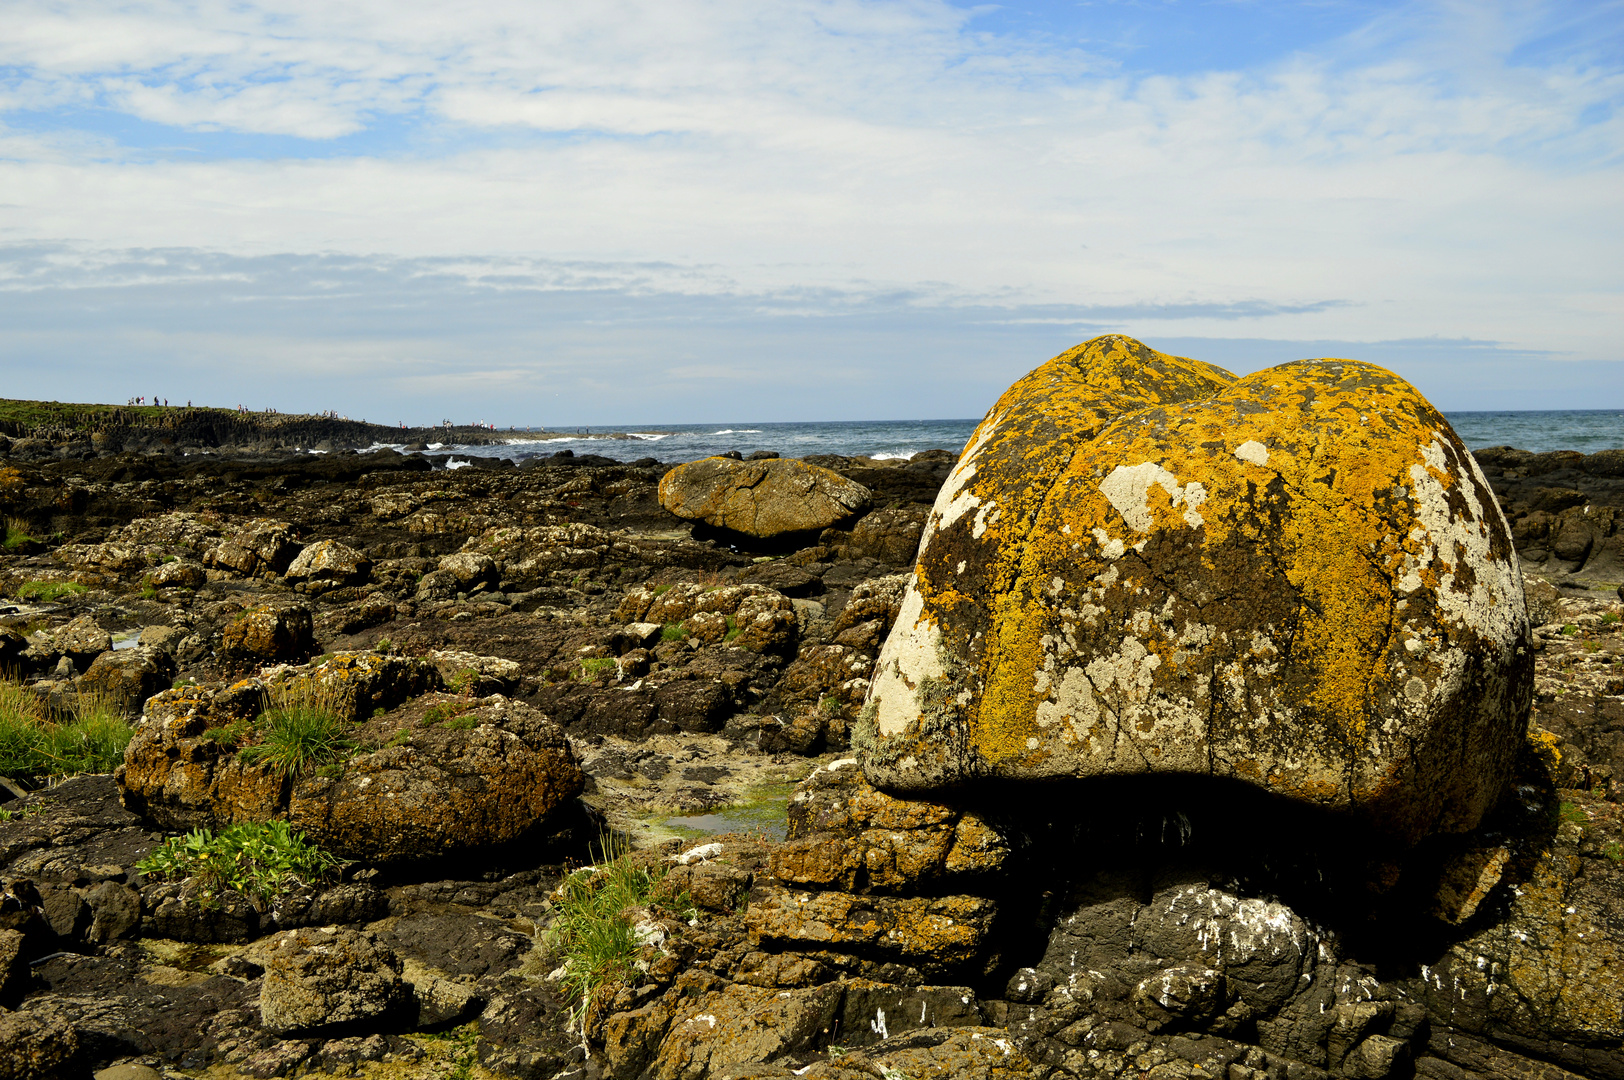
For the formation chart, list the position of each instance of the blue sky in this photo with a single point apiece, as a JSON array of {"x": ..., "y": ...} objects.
[{"x": 635, "y": 212}]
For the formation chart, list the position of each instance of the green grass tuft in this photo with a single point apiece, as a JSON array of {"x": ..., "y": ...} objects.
[
  {"x": 593, "y": 932},
  {"x": 599, "y": 668},
  {"x": 673, "y": 632},
  {"x": 300, "y": 730},
  {"x": 17, "y": 534},
  {"x": 48, "y": 592},
  {"x": 262, "y": 859},
  {"x": 1571, "y": 814},
  {"x": 35, "y": 743}
]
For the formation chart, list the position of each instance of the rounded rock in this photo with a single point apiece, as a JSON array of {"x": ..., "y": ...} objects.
[
  {"x": 1299, "y": 580},
  {"x": 330, "y": 562},
  {"x": 318, "y": 980},
  {"x": 763, "y": 499}
]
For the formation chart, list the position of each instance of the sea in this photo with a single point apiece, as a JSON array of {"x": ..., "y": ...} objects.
[{"x": 1584, "y": 430}]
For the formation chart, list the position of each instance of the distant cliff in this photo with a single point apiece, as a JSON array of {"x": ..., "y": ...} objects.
[{"x": 118, "y": 427}]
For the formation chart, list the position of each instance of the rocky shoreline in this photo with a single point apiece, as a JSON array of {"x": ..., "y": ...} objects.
[{"x": 699, "y": 672}]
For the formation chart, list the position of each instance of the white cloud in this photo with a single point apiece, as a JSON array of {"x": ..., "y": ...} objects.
[{"x": 813, "y": 156}]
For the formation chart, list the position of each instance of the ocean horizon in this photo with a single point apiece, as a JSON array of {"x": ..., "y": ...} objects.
[{"x": 1583, "y": 430}]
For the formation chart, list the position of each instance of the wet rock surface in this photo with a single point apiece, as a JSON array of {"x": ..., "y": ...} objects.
[{"x": 666, "y": 685}]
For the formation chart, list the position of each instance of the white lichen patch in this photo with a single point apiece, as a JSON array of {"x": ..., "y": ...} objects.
[
  {"x": 955, "y": 499},
  {"x": 1253, "y": 451},
  {"x": 911, "y": 655},
  {"x": 1105, "y": 716},
  {"x": 1127, "y": 488},
  {"x": 1493, "y": 605},
  {"x": 1110, "y": 547}
]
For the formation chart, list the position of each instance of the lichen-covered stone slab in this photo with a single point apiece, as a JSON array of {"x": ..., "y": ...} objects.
[
  {"x": 1299, "y": 580},
  {"x": 763, "y": 499}
]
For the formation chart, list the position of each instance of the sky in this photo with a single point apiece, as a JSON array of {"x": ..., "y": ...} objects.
[{"x": 623, "y": 212}]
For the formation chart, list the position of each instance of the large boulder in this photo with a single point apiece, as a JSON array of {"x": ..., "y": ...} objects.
[
  {"x": 178, "y": 574},
  {"x": 471, "y": 775},
  {"x": 481, "y": 779},
  {"x": 80, "y": 640},
  {"x": 1299, "y": 580},
  {"x": 763, "y": 499}
]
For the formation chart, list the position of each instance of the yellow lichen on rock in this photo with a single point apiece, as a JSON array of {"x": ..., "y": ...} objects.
[
  {"x": 976, "y": 535},
  {"x": 1299, "y": 580}
]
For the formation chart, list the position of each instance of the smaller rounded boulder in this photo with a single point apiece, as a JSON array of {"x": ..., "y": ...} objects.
[
  {"x": 328, "y": 564},
  {"x": 764, "y": 499},
  {"x": 319, "y": 980},
  {"x": 274, "y": 631}
]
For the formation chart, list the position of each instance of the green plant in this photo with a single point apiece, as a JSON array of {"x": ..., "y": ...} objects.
[
  {"x": 36, "y": 742},
  {"x": 384, "y": 646},
  {"x": 1569, "y": 628},
  {"x": 463, "y": 1049},
  {"x": 1571, "y": 814},
  {"x": 461, "y": 682},
  {"x": 48, "y": 592},
  {"x": 1611, "y": 617},
  {"x": 231, "y": 736},
  {"x": 462, "y": 723},
  {"x": 830, "y": 706},
  {"x": 31, "y": 810},
  {"x": 445, "y": 710},
  {"x": 593, "y": 932},
  {"x": 300, "y": 729},
  {"x": 17, "y": 533},
  {"x": 1613, "y": 850},
  {"x": 733, "y": 630},
  {"x": 598, "y": 668},
  {"x": 673, "y": 632},
  {"x": 262, "y": 859}
]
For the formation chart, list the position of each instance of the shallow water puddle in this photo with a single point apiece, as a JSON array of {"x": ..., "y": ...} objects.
[
  {"x": 764, "y": 814},
  {"x": 743, "y": 820}
]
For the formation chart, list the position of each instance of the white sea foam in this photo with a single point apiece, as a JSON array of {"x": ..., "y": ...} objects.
[
  {"x": 738, "y": 431},
  {"x": 455, "y": 464},
  {"x": 888, "y": 455}
]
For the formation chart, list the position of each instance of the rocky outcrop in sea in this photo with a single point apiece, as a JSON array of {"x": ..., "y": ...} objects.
[{"x": 1251, "y": 764}]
